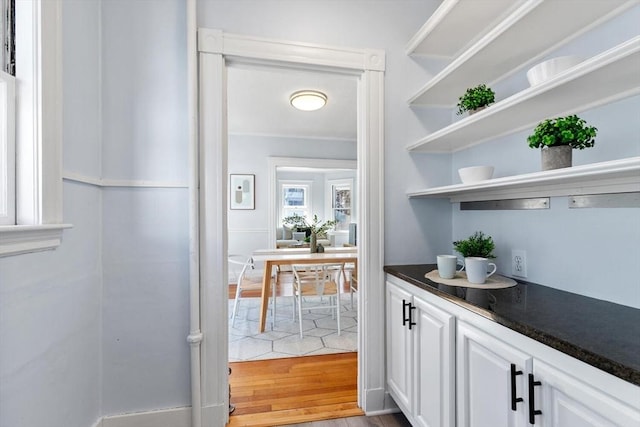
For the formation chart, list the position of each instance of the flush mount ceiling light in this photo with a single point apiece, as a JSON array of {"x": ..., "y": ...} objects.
[{"x": 308, "y": 100}]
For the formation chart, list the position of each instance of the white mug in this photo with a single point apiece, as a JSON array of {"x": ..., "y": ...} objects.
[
  {"x": 447, "y": 265},
  {"x": 477, "y": 269}
]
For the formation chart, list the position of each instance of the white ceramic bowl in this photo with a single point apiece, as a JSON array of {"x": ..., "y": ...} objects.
[
  {"x": 475, "y": 174},
  {"x": 547, "y": 69}
]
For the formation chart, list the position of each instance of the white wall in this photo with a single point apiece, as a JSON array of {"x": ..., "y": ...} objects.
[{"x": 50, "y": 317}]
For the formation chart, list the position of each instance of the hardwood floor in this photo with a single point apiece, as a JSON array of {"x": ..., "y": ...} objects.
[{"x": 294, "y": 390}]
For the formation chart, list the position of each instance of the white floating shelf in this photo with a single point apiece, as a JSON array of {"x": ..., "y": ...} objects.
[
  {"x": 456, "y": 24},
  {"x": 536, "y": 28},
  {"x": 600, "y": 80},
  {"x": 618, "y": 176}
]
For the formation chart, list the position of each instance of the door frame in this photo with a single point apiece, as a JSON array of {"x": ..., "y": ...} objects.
[{"x": 210, "y": 351}]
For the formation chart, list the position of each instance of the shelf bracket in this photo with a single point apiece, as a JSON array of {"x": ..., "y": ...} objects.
[
  {"x": 503, "y": 205},
  {"x": 610, "y": 200}
]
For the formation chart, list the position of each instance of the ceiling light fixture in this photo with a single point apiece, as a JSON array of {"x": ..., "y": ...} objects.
[{"x": 308, "y": 100}]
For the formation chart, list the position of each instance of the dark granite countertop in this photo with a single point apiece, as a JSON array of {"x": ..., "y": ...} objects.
[{"x": 600, "y": 333}]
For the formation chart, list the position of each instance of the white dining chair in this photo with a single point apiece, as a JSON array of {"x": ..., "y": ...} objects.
[
  {"x": 247, "y": 278},
  {"x": 313, "y": 282}
]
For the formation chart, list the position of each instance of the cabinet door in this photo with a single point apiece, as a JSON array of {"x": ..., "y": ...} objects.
[
  {"x": 398, "y": 347},
  {"x": 484, "y": 380},
  {"x": 565, "y": 401},
  {"x": 434, "y": 364}
]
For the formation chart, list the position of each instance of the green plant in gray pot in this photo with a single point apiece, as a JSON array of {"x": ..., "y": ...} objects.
[
  {"x": 476, "y": 98},
  {"x": 558, "y": 137}
]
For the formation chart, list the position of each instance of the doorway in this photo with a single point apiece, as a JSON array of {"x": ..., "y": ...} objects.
[{"x": 215, "y": 48}]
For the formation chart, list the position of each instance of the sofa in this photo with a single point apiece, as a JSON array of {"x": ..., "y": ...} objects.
[{"x": 285, "y": 238}]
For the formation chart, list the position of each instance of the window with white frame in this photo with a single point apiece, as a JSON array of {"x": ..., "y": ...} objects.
[
  {"x": 35, "y": 171},
  {"x": 341, "y": 196},
  {"x": 7, "y": 114},
  {"x": 295, "y": 198}
]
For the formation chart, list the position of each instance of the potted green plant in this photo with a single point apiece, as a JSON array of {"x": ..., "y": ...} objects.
[
  {"x": 475, "y": 98},
  {"x": 476, "y": 245},
  {"x": 558, "y": 137}
]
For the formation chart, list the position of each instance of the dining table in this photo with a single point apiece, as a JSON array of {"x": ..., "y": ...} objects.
[{"x": 297, "y": 256}]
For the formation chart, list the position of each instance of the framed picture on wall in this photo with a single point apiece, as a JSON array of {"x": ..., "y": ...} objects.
[{"x": 242, "y": 191}]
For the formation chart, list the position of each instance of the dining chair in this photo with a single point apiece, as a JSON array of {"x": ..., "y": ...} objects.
[
  {"x": 313, "y": 282},
  {"x": 247, "y": 278}
]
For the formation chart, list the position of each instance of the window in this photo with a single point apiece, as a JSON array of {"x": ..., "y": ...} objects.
[
  {"x": 296, "y": 198},
  {"x": 341, "y": 199},
  {"x": 38, "y": 131},
  {"x": 7, "y": 115}
]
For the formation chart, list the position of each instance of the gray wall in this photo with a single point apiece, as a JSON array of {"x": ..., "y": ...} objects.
[
  {"x": 145, "y": 231},
  {"x": 50, "y": 302}
]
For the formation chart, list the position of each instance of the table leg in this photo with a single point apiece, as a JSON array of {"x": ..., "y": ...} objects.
[{"x": 264, "y": 306}]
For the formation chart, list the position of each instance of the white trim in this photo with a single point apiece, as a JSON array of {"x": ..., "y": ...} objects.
[
  {"x": 371, "y": 339},
  {"x": 39, "y": 115},
  {"x": 215, "y": 46},
  {"x": 298, "y": 53},
  {"x": 213, "y": 241},
  {"x": 7, "y": 150},
  {"x": 100, "y": 182},
  {"x": 174, "y": 417},
  {"x": 22, "y": 239}
]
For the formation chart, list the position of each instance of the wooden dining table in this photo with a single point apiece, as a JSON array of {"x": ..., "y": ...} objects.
[{"x": 279, "y": 257}]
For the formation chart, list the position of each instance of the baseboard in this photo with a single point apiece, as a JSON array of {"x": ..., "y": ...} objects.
[{"x": 174, "y": 417}]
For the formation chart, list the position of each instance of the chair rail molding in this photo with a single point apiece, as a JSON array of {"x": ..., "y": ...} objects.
[{"x": 215, "y": 48}]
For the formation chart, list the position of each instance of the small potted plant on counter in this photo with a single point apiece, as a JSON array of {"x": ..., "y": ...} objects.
[
  {"x": 558, "y": 137},
  {"x": 476, "y": 245},
  {"x": 477, "y": 249},
  {"x": 475, "y": 99}
]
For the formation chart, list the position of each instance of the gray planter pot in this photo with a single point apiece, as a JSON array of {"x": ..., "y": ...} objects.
[{"x": 556, "y": 157}]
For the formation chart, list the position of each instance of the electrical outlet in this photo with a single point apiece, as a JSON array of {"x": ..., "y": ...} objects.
[{"x": 518, "y": 263}]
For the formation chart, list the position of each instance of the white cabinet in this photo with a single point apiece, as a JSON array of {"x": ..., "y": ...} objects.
[
  {"x": 491, "y": 381},
  {"x": 420, "y": 358},
  {"x": 565, "y": 401},
  {"x": 399, "y": 346},
  {"x": 450, "y": 366}
]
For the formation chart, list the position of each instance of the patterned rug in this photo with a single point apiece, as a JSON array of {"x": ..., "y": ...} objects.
[{"x": 282, "y": 339}]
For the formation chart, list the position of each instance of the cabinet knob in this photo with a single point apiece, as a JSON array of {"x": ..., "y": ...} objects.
[{"x": 532, "y": 400}]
